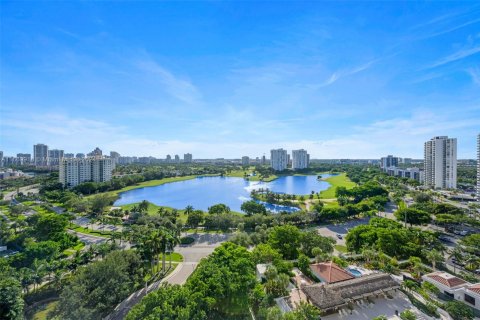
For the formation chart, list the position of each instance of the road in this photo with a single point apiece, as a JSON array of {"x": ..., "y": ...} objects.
[
  {"x": 192, "y": 254},
  {"x": 25, "y": 190},
  {"x": 88, "y": 239},
  {"x": 332, "y": 230}
]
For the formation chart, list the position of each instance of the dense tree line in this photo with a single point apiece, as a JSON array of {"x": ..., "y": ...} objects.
[
  {"x": 97, "y": 288},
  {"x": 391, "y": 238}
]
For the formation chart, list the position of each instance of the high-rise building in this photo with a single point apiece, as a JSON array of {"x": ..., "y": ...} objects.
[
  {"x": 72, "y": 172},
  {"x": 478, "y": 167},
  {"x": 24, "y": 158},
  {"x": 300, "y": 159},
  {"x": 264, "y": 160},
  {"x": 245, "y": 161},
  {"x": 440, "y": 161},
  {"x": 389, "y": 161},
  {"x": 177, "y": 158},
  {"x": 115, "y": 156},
  {"x": 97, "y": 152},
  {"x": 1, "y": 158},
  {"x": 69, "y": 155},
  {"x": 55, "y": 156},
  {"x": 169, "y": 158},
  {"x": 40, "y": 155},
  {"x": 187, "y": 158},
  {"x": 278, "y": 159},
  {"x": 80, "y": 155}
]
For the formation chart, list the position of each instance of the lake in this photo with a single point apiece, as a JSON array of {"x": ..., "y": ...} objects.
[{"x": 203, "y": 192}]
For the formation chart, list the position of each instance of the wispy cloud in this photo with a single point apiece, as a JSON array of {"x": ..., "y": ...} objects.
[
  {"x": 180, "y": 88},
  {"x": 337, "y": 75},
  {"x": 461, "y": 54},
  {"x": 475, "y": 75}
]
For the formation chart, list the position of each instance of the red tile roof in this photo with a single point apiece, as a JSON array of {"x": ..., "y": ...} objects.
[
  {"x": 330, "y": 272},
  {"x": 446, "y": 279},
  {"x": 475, "y": 288}
]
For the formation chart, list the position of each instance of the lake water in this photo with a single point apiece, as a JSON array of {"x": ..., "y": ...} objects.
[{"x": 203, "y": 192}]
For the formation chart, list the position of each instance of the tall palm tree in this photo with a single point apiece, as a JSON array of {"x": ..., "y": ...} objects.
[
  {"x": 458, "y": 255},
  {"x": 143, "y": 206},
  {"x": 188, "y": 209},
  {"x": 434, "y": 257}
]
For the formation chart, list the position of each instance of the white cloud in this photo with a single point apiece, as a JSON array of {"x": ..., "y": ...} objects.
[
  {"x": 179, "y": 88},
  {"x": 461, "y": 54},
  {"x": 337, "y": 75}
]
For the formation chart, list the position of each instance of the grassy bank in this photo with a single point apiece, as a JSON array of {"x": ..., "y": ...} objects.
[
  {"x": 249, "y": 171},
  {"x": 340, "y": 180}
]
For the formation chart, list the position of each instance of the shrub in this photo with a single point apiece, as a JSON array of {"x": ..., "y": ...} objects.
[{"x": 187, "y": 240}]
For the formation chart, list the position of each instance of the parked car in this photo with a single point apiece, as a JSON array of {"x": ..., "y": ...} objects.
[{"x": 339, "y": 236}]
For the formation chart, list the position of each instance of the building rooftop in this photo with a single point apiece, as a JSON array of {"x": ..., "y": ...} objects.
[
  {"x": 329, "y": 272},
  {"x": 475, "y": 288},
  {"x": 333, "y": 295},
  {"x": 446, "y": 279}
]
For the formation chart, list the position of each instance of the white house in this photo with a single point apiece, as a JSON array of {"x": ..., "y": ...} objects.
[{"x": 455, "y": 288}]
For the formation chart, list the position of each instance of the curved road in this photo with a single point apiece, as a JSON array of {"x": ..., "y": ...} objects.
[{"x": 192, "y": 254}]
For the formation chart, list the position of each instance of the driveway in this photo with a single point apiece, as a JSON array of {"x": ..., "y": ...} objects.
[
  {"x": 88, "y": 239},
  {"x": 332, "y": 230},
  {"x": 192, "y": 254}
]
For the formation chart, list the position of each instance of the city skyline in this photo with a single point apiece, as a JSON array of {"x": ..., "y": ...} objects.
[{"x": 226, "y": 81}]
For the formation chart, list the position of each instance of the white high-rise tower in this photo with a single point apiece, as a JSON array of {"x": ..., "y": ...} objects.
[
  {"x": 279, "y": 159},
  {"x": 300, "y": 159},
  {"x": 440, "y": 161}
]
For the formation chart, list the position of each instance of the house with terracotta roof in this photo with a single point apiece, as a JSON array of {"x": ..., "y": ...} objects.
[
  {"x": 329, "y": 272},
  {"x": 455, "y": 288}
]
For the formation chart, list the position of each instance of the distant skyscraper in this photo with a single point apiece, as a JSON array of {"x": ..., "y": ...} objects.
[
  {"x": 72, "y": 172},
  {"x": 278, "y": 159},
  {"x": 69, "y": 155},
  {"x": 40, "y": 155},
  {"x": 80, "y": 155},
  {"x": 115, "y": 156},
  {"x": 389, "y": 161},
  {"x": 1, "y": 158},
  {"x": 96, "y": 153},
  {"x": 187, "y": 158},
  {"x": 264, "y": 160},
  {"x": 245, "y": 161},
  {"x": 440, "y": 161},
  {"x": 300, "y": 159},
  {"x": 177, "y": 158},
  {"x": 478, "y": 167},
  {"x": 24, "y": 158},
  {"x": 168, "y": 158},
  {"x": 55, "y": 156}
]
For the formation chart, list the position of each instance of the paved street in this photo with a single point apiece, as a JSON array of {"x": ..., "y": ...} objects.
[
  {"x": 204, "y": 245},
  {"x": 88, "y": 239},
  {"x": 25, "y": 190},
  {"x": 332, "y": 230}
]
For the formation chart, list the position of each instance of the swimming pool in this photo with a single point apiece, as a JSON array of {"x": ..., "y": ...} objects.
[{"x": 354, "y": 272}]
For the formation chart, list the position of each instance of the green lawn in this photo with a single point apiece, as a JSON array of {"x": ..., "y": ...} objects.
[
  {"x": 151, "y": 183},
  {"x": 100, "y": 233},
  {"x": 70, "y": 251},
  {"x": 340, "y": 248},
  {"x": 43, "y": 311},
  {"x": 153, "y": 209},
  {"x": 241, "y": 173},
  {"x": 340, "y": 180}
]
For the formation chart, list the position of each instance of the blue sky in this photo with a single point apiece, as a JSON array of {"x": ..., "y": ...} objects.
[{"x": 226, "y": 79}]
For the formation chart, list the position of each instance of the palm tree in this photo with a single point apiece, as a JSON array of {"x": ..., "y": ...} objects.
[
  {"x": 457, "y": 254},
  {"x": 368, "y": 254},
  {"x": 188, "y": 209},
  {"x": 38, "y": 273},
  {"x": 434, "y": 257},
  {"x": 143, "y": 206}
]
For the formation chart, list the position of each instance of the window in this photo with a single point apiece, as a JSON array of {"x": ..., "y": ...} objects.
[{"x": 469, "y": 299}]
